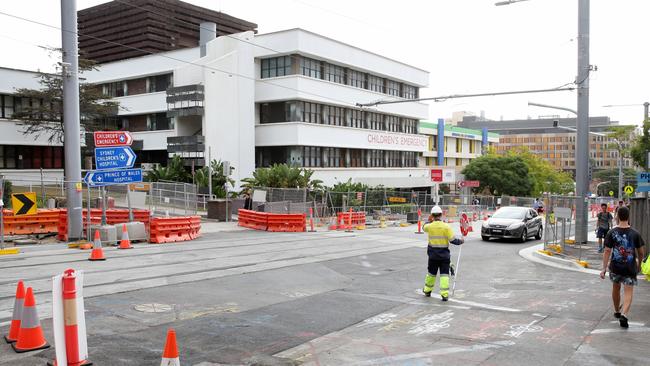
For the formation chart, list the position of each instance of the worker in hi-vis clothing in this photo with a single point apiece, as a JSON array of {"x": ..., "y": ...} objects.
[{"x": 440, "y": 235}]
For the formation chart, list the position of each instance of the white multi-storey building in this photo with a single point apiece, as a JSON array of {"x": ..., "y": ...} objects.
[{"x": 283, "y": 97}]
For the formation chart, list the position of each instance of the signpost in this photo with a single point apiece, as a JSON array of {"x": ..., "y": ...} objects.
[
  {"x": 628, "y": 190},
  {"x": 101, "y": 178},
  {"x": 112, "y": 138},
  {"x": 118, "y": 157},
  {"x": 469, "y": 183},
  {"x": 611, "y": 193},
  {"x": 643, "y": 182},
  {"x": 436, "y": 175},
  {"x": 24, "y": 203}
]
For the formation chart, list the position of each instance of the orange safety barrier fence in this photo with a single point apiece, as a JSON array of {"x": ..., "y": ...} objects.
[
  {"x": 343, "y": 219},
  {"x": 173, "y": 229},
  {"x": 253, "y": 219},
  {"x": 286, "y": 223},
  {"x": 44, "y": 222}
]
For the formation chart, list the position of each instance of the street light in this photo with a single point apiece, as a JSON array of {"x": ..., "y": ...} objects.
[{"x": 582, "y": 135}]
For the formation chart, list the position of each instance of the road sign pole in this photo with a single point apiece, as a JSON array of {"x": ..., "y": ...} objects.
[
  {"x": 128, "y": 202},
  {"x": 88, "y": 232},
  {"x": 71, "y": 120},
  {"x": 2, "y": 213},
  {"x": 103, "y": 192}
]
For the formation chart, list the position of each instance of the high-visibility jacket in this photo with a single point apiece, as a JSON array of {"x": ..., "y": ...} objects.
[{"x": 439, "y": 236}]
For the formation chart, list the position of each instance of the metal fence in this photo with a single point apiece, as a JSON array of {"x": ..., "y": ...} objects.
[{"x": 172, "y": 198}]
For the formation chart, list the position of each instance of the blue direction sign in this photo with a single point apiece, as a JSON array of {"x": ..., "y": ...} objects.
[
  {"x": 643, "y": 182},
  {"x": 97, "y": 178},
  {"x": 117, "y": 157}
]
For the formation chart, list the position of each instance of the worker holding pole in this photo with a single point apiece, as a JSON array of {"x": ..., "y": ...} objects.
[{"x": 439, "y": 235}]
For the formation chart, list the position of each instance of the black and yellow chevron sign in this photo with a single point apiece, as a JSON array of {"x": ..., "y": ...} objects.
[{"x": 24, "y": 203}]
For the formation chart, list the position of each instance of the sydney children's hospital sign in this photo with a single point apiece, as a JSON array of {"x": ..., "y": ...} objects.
[{"x": 397, "y": 142}]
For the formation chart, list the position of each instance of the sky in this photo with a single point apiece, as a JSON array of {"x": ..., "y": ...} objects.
[{"x": 468, "y": 46}]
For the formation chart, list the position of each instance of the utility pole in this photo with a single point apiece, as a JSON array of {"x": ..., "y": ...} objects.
[
  {"x": 582, "y": 138},
  {"x": 72, "y": 144}
]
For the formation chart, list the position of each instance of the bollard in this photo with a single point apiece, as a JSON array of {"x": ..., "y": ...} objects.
[
  {"x": 419, "y": 222},
  {"x": 348, "y": 229},
  {"x": 311, "y": 220}
]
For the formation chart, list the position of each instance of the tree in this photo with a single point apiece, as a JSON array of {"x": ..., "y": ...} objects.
[
  {"x": 43, "y": 115},
  {"x": 219, "y": 178},
  {"x": 501, "y": 175},
  {"x": 174, "y": 171},
  {"x": 544, "y": 177},
  {"x": 641, "y": 146},
  {"x": 282, "y": 176}
]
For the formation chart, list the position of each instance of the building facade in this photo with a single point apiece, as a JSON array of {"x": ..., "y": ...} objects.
[{"x": 555, "y": 145}]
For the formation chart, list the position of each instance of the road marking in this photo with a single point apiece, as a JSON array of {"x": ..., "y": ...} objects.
[
  {"x": 517, "y": 330},
  {"x": 621, "y": 330},
  {"x": 432, "y": 323},
  {"x": 486, "y": 306},
  {"x": 429, "y": 354}
]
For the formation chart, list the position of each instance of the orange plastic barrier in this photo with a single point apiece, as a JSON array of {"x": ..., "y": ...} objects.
[
  {"x": 173, "y": 229},
  {"x": 286, "y": 223},
  {"x": 358, "y": 218},
  {"x": 44, "y": 222},
  {"x": 253, "y": 219}
]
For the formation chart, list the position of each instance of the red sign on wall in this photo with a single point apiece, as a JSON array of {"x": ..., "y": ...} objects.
[
  {"x": 469, "y": 183},
  {"x": 436, "y": 175},
  {"x": 112, "y": 138}
]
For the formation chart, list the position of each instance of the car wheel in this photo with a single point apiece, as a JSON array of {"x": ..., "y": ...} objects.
[
  {"x": 538, "y": 236},
  {"x": 524, "y": 236},
  {"x": 485, "y": 238}
]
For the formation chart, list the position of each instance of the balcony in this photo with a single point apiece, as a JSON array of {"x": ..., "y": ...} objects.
[
  {"x": 190, "y": 148},
  {"x": 185, "y": 100}
]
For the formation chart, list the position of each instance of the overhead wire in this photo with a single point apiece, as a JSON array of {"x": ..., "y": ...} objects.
[{"x": 157, "y": 54}]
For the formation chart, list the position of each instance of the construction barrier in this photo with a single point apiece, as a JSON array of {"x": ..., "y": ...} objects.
[
  {"x": 253, "y": 219},
  {"x": 173, "y": 229},
  {"x": 44, "y": 222},
  {"x": 272, "y": 222},
  {"x": 358, "y": 218},
  {"x": 286, "y": 223},
  {"x": 113, "y": 216}
]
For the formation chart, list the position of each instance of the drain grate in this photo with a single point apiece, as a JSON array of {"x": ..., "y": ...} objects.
[{"x": 153, "y": 308}]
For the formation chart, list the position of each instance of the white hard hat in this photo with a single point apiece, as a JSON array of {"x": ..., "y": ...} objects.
[{"x": 436, "y": 210}]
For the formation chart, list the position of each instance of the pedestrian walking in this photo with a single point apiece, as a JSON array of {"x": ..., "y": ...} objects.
[
  {"x": 605, "y": 220},
  {"x": 248, "y": 201},
  {"x": 439, "y": 237},
  {"x": 623, "y": 255},
  {"x": 620, "y": 204}
]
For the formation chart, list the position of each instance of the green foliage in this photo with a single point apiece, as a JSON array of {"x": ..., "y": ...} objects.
[
  {"x": 46, "y": 117},
  {"x": 501, "y": 175},
  {"x": 7, "y": 189},
  {"x": 219, "y": 179},
  {"x": 282, "y": 176},
  {"x": 544, "y": 176},
  {"x": 174, "y": 171},
  {"x": 641, "y": 146}
]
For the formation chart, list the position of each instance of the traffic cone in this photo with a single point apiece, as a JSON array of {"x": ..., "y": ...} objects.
[
  {"x": 125, "y": 243},
  {"x": 170, "y": 353},
  {"x": 18, "y": 311},
  {"x": 30, "y": 336},
  {"x": 98, "y": 253}
]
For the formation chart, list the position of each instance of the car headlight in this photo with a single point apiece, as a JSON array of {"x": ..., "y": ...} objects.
[
  {"x": 515, "y": 226},
  {"x": 485, "y": 225}
]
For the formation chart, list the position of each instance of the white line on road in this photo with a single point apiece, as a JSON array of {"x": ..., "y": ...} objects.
[{"x": 486, "y": 306}]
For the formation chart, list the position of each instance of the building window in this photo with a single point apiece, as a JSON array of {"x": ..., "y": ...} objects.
[
  {"x": 375, "y": 121},
  {"x": 159, "y": 83},
  {"x": 357, "y": 157},
  {"x": 392, "y": 88},
  {"x": 334, "y": 115},
  {"x": 310, "y": 67},
  {"x": 159, "y": 121},
  {"x": 393, "y": 124},
  {"x": 459, "y": 146},
  {"x": 410, "y": 126},
  {"x": 334, "y": 73},
  {"x": 275, "y": 112},
  {"x": 375, "y": 84},
  {"x": 357, "y": 118},
  {"x": 311, "y": 112},
  {"x": 409, "y": 91},
  {"x": 6, "y": 106},
  {"x": 114, "y": 89},
  {"x": 357, "y": 79},
  {"x": 332, "y": 157},
  {"x": 311, "y": 156},
  {"x": 276, "y": 66}
]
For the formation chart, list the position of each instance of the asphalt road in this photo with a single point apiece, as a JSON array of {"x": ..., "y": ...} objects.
[{"x": 331, "y": 298}]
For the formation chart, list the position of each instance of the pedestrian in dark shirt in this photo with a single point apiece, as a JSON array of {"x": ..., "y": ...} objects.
[
  {"x": 604, "y": 224},
  {"x": 623, "y": 258},
  {"x": 248, "y": 201}
]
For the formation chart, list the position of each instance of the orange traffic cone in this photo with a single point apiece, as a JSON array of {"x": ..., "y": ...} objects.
[
  {"x": 125, "y": 243},
  {"x": 170, "y": 353},
  {"x": 98, "y": 253},
  {"x": 30, "y": 336},
  {"x": 18, "y": 311}
]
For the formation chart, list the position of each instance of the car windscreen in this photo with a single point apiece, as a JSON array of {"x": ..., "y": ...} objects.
[{"x": 510, "y": 213}]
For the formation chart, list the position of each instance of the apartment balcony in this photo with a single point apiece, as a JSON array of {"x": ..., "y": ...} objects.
[{"x": 186, "y": 100}]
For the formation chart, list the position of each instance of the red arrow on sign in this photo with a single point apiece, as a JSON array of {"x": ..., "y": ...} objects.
[{"x": 112, "y": 138}]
